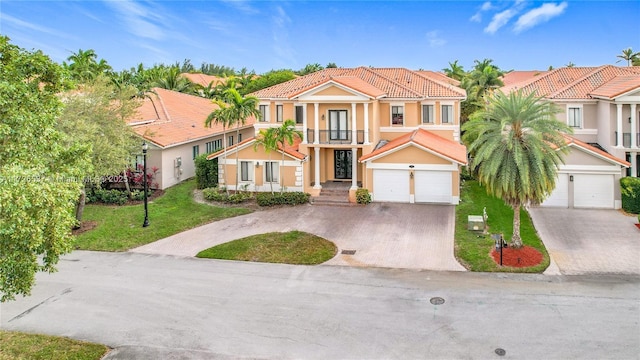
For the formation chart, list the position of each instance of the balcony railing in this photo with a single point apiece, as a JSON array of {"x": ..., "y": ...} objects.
[
  {"x": 335, "y": 136},
  {"x": 626, "y": 139}
]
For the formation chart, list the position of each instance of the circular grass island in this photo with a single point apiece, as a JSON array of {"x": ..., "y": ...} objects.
[{"x": 293, "y": 247}]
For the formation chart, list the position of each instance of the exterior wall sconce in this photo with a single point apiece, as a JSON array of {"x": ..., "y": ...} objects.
[
  {"x": 629, "y": 119},
  {"x": 570, "y": 177},
  {"x": 411, "y": 175},
  {"x": 411, "y": 166},
  {"x": 257, "y": 163},
  {"x": 322, "y": 117}
]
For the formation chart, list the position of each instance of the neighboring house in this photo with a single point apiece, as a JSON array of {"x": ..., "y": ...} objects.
[
  {"x": 203, "y": 79},
  {"x": 393, "y": 131},
  {"x": 173, "y": 124},
  {"x": 601, "y": 105},
  {"x": 516, "y": 76}
]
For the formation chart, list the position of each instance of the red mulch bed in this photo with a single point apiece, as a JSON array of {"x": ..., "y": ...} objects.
[
  {"x": 524, "y": 257},
  {"x": 638, "y": 226}
]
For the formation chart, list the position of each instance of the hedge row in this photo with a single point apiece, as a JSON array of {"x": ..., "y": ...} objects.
[
  {"x": 284, "y": 198},
  {"x": 630, "y": 190},
  {"x": 215, "y": 194},
  {"x": 118, "y": 197}
]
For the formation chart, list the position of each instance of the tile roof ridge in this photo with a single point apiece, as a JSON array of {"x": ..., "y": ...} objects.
[
  {"x": 441, "y": 83},
  {"x": 372, "y": 70},
  {"x": 594, "y": 71},
  {"x": 164, "y": 107}
]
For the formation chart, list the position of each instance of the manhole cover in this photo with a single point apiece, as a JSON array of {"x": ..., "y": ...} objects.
[
  {"x": 437, "y": 300},
  {"x": 348, "y": 252},
  {"x": 500, "y": 351}
]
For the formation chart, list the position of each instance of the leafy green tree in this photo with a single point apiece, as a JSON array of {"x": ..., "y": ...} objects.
[
  {"x": 455, "y": 71},
  {"x": 479, "y": 83},
  {"x": 84, "y": 65},
  {"x": 309, "y": 68},
  {"x": 331, "y": 65},
  {"x": 40, "y": 177},
  {"x": 513, "y": 144},
  {"x": 271, "y": 78},
  {"x": 285, "y": 135},
  {"x": 95, "y": 115},
  {"x": 172, "y": 79},
  {"x": 629, "y": 56}
]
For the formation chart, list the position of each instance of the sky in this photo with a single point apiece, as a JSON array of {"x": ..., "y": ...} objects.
[{"x": 266, "y": 35}]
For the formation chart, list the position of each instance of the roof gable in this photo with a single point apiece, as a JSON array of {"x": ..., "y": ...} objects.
[
  {"x": 437, "y": 145},
  {"x": 594, "y": 151},
  {"x": 618, "y": 86}
]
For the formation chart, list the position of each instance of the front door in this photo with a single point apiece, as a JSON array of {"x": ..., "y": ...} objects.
[{"x": 342, "y": 161}]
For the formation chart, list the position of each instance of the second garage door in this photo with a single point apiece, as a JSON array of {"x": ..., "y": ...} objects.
[
  {"x": 593, "y": 191},
  {"x": 433, "y": 186},
  {"x": 391, "y": 185}
]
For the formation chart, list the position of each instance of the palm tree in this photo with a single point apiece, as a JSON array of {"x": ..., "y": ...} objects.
[
  {"x": 234, "y": 110},
  {"x": 172, "y": 79},
  {"x": 455, "y": 71},
  {"x": 83, "y": 65},
  {"x": 267, "y": 138},
  {"x": 221, "y": 115},
  {"x": 285, "y": 134},
  {"x": 629, "y": 56},
  {"x": 514, "y": 143}
]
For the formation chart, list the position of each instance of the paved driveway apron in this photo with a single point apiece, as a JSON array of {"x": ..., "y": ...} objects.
[
  {"x": 382, "y": 234},
  {"x": 589, "y": 241}
]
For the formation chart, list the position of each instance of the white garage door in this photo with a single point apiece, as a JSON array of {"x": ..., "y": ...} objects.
[
  {"x": 593, "y": 191},
  {"x": 391, "y": 185},
  {"x": 560, "y": 195},
  {"x": 433, "y": 186}
]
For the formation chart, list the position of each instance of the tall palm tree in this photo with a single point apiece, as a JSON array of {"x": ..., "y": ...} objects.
[
  {"x": 455, "y": 71},
  {"x": 172, "y": 79},
  {"x": 267, "y": 138},
  {"x": 514, "y": 143},
  {"x": 285, "y": 134},
  {"x": 235, "y": 109},
  {"x": 629, "y": 56},
  {"x": 221, "y": 115}
]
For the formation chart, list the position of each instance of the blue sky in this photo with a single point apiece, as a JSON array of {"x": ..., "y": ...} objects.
[{"x": 265, "y": 35}]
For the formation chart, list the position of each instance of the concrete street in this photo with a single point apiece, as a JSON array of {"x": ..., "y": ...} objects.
[{"x": 165, "y": 307}]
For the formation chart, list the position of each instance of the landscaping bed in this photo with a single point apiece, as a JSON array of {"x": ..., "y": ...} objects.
[{"x": 475, "y": 250}]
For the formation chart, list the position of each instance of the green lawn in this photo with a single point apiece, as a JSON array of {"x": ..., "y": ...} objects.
[
  {"x": 472, "y": 250},
  {"x": 120, "y": 227},
  {"x": 294, "y": 247},
  {"x": 16, "y": 345}
]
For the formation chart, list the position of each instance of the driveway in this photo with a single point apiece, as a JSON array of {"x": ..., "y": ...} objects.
[
  {"x": 389, "y": 235},
  {"x": 588, "y": 241}
]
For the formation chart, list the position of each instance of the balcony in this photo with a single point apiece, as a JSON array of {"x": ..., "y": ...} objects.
[
  {"x": 626, "y": 139},
  {"x": 335, "y": 136}
]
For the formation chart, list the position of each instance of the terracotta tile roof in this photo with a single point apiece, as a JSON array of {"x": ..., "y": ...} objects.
[
  {"x": 203, "y": 79},
  {"x": 391, "y": 82},
  {"x": 438, "y": 76},
  {"x": 359, "y": 85},
  {"x": 617, "y": 86},
  {"x": 179, "y": 118},
  {"x": 445, "y": 148},
  {"x": 570, "y": 82},
  {"x": 571, "y": 141},
  {"x": 517, "y": 76},
  {"x": 291, "y": 150}
]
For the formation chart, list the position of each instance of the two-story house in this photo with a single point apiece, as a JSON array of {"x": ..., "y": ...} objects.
[
  {"x": 173, "y": 124},
  {"x": 393, "y": 131},
  {"x": 601, "y": 105}
]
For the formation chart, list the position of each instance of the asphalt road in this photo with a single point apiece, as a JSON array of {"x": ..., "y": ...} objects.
[{"x": 162, "y": 307}]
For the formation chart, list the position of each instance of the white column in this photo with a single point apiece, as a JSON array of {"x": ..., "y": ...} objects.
[
  {"x": 366, "y": 123},
  {"x": 316, "y": 124},
  {"x": 304, "y": 124},
  {"x": 634, "y": 165},
  {"x": 354, "y": 132},
  {"x": 619, "y": 125},
  {"x": 316, "y": 164},
  {"x": 634, "y": 131},
  {"x": 354, "y": 168}
]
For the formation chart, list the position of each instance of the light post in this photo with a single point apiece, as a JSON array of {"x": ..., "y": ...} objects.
[{"x": 145, "y": 147}]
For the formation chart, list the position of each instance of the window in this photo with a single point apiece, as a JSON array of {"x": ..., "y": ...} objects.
[
  {"x": 397, "y": 115},
  {"x": 214, "y": 145},
  {"x": 447, "y": 114},
  {"x": 246, "y": 171},
  {"x": 427, "y": 114},
  {"x": 271, "y": 171},
  {"x": 575, "y": 117},
  {"x": 239, "y": 138},
  {"x": 196, "y": 151},
  {"x": 264, "y": 112},
  {"x": 230, "y": 141},
  {"x": 279, "y": 114},
  {"x": 299, "y": 114}
]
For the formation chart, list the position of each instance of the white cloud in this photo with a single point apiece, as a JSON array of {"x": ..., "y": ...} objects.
[
  {"x": 434, "y": 39},
  {"x": 539, "y": 15},
  {"x": 139, "y": 19},
  {"x": 21, "y": 24},
  {"x": 486, "y": 6},
  {"x": 281, "y": 43},
  {"x": 500, "y": 19},
  {"x": 477, "y": 17},
  {"x": 242, "y": 5}
]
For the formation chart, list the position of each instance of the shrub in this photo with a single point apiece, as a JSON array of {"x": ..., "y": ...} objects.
[
  {"x": 107, "y": 196},
  {"x": 630, "y": 191},
  {"x": 215, "y": 194},
  {"x": 206, "y": 172},
  {"x": 363, "y": 196},
  {"x": 284, "y": 198}
]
